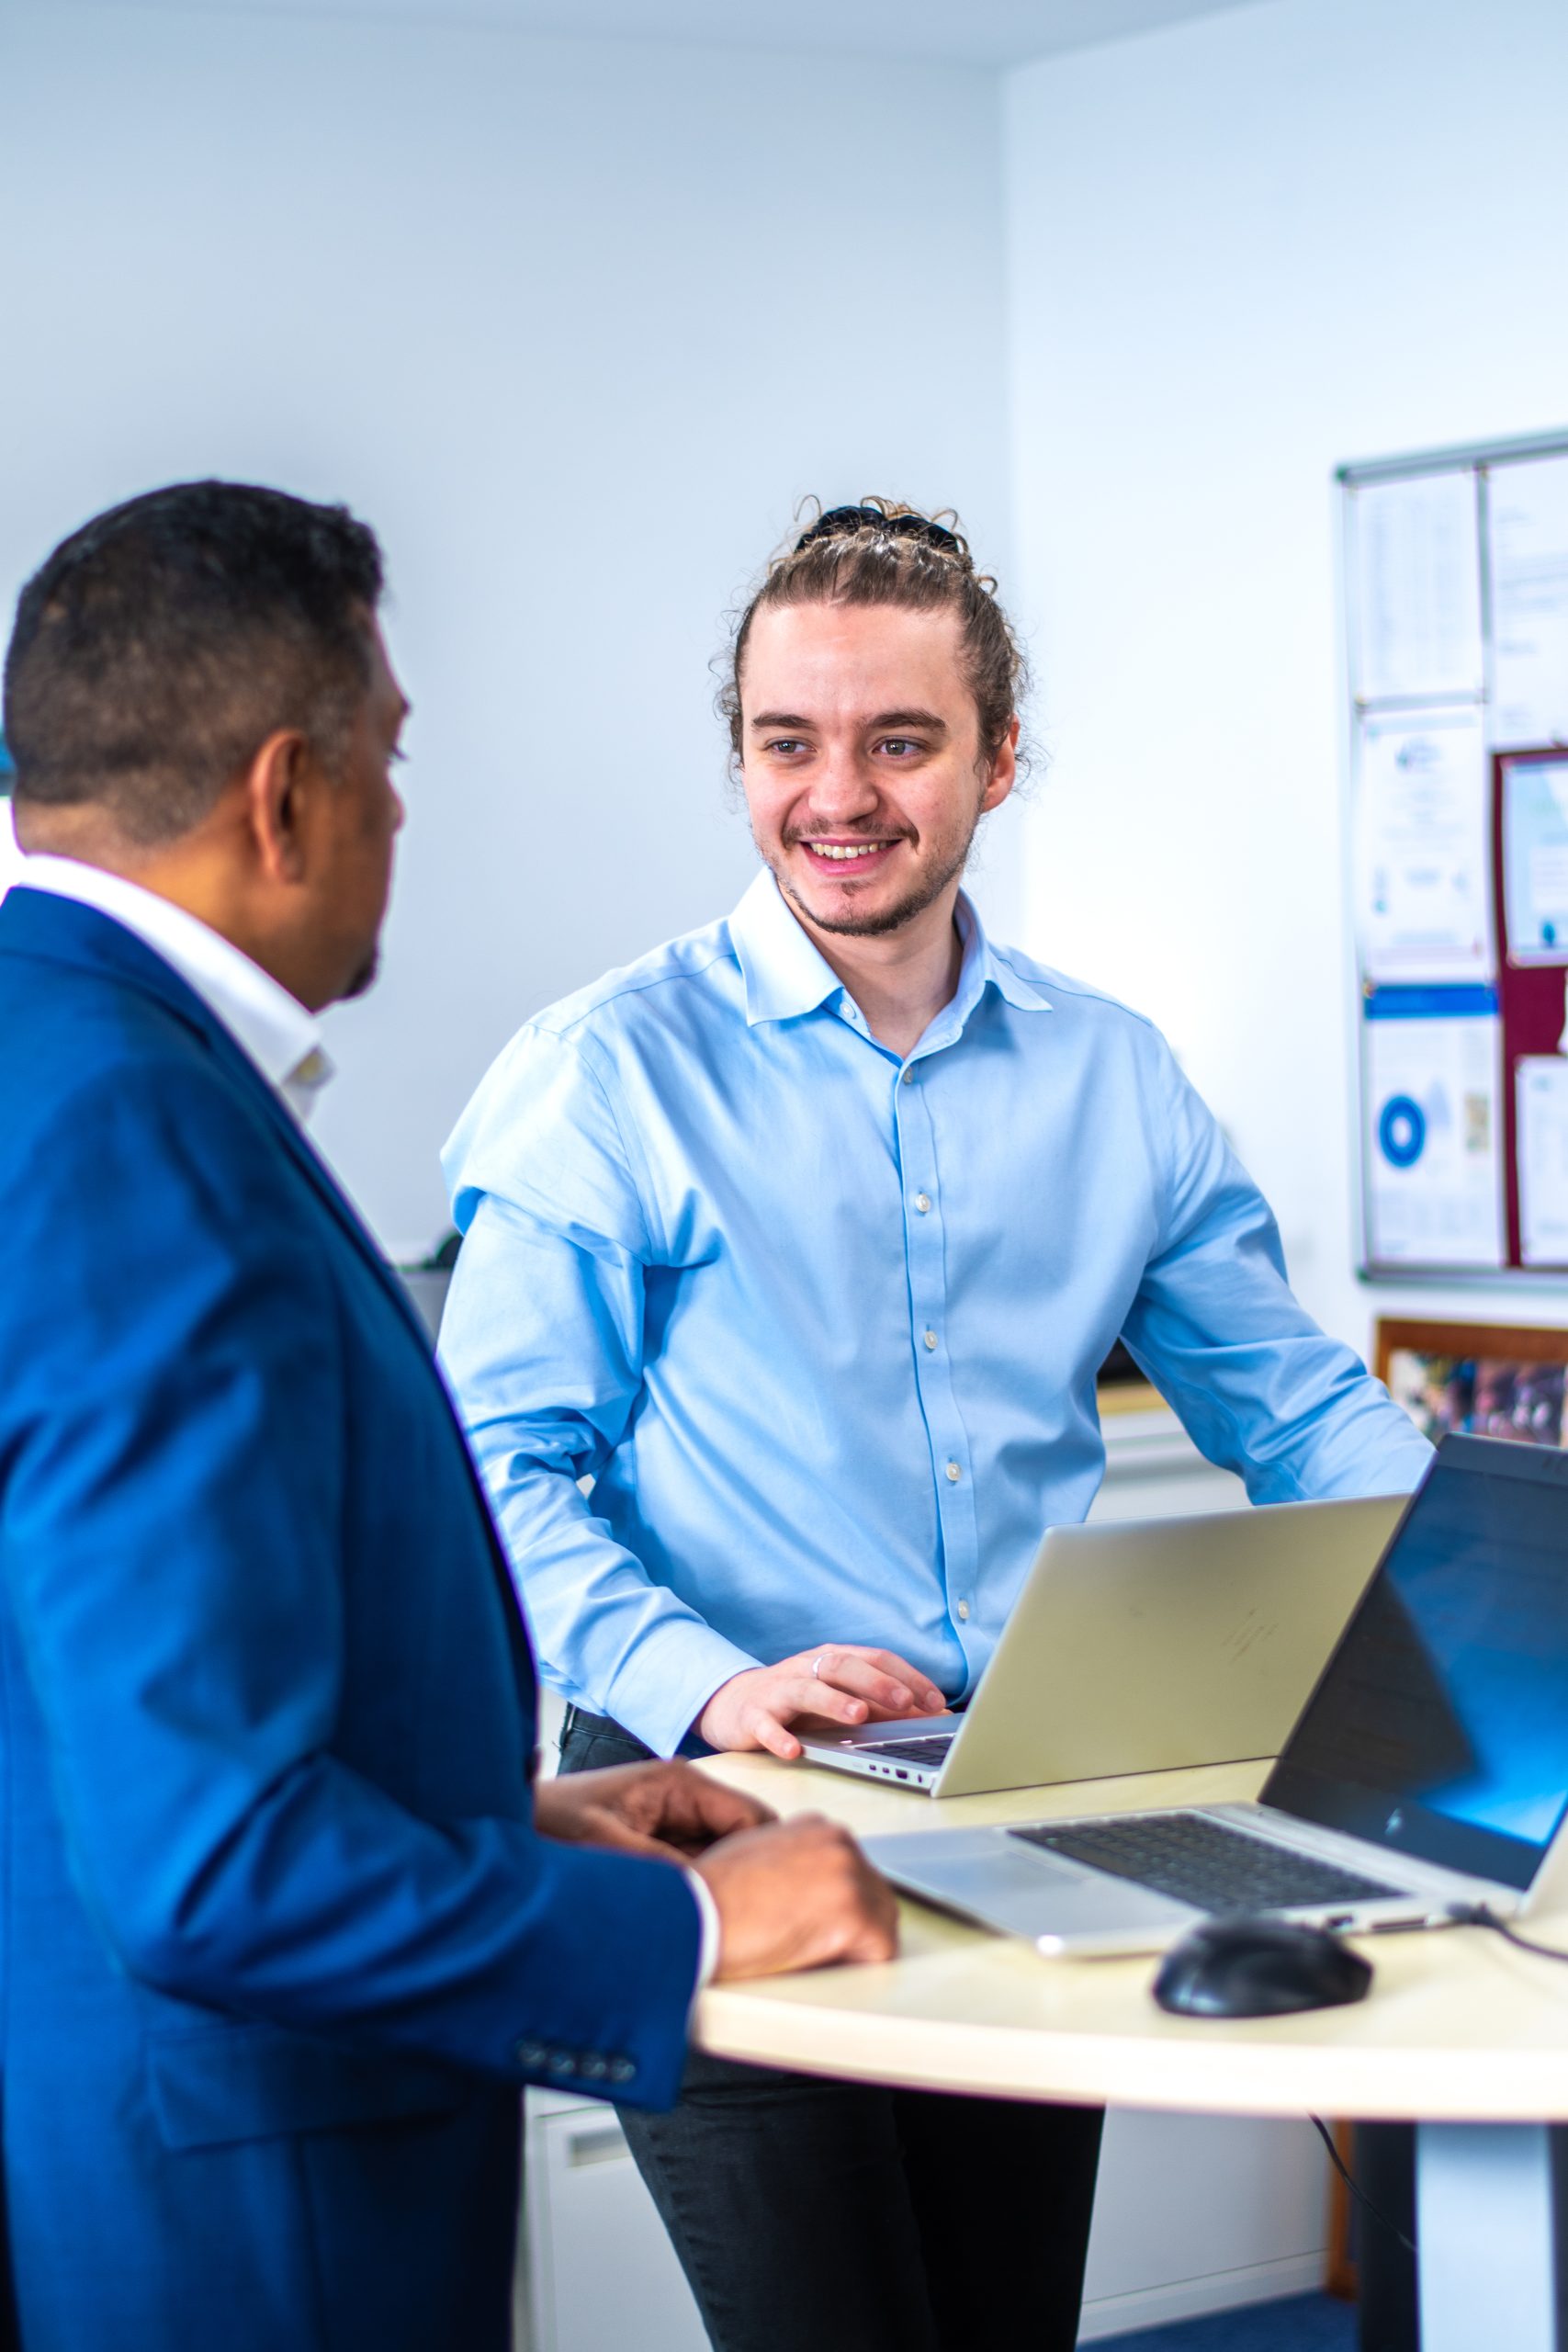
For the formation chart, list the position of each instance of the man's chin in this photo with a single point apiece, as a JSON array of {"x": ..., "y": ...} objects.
[
  {"x": 848, "y": 919},
  {"x": 365, "y": 978}
]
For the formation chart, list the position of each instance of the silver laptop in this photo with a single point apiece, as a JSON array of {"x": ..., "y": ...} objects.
[
  {"x": 1428, "y": 1771},
  {"x": 1141, "y": 1646}
]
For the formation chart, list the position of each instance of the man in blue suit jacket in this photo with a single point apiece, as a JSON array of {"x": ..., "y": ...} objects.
[{"x": 283, "y": 1925}]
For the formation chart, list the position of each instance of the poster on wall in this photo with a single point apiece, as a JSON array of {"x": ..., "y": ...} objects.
[
  {"x": 1527, "y": 535},
  {"x": 1434, "y": 1194},
  {"x": 1534, "y": 859},
  {"x": 1423, "y": 867},
  {"x": 1417, "y": 588}
]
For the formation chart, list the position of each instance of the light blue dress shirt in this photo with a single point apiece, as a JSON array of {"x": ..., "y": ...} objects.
[{"x": 823, "y": 1326}]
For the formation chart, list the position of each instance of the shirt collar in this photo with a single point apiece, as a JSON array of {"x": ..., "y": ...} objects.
[
  {"x": 273, "y": 1028},
  {"x": 787, "y": 976}
]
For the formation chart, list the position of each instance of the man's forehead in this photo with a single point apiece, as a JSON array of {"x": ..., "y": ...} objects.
[
  {"x": 385, "y": 692},
  {"x": 878, "y": 658}
]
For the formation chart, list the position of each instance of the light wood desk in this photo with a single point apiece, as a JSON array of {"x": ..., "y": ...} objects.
[{"x": 1461, "y": 2033}]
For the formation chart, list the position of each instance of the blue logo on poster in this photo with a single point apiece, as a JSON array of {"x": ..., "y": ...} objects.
[{"x": 1402, "y": 1131}]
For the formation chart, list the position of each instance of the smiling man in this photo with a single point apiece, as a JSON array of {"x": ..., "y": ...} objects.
[{"x": 805, "y": 1237}]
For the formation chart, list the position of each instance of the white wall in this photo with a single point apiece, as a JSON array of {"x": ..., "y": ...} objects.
[
  {"x": 574, "y": 325},
  {"x": 1243, "y": 251}
]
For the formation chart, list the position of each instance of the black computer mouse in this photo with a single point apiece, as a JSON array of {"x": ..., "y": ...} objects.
[{"x": 1258, "y": 1967}]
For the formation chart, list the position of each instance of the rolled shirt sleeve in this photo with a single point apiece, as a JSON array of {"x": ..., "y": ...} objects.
[{"x": 1215, "y": 1325}]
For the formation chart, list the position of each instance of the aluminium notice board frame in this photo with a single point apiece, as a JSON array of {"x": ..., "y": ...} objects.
[{"x": 1421, "y": 671}]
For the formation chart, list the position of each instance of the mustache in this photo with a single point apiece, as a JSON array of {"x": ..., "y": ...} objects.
[{"x": 794, "y": 834}]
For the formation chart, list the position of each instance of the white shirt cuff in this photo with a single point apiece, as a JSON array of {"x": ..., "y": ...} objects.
[{"x": 708, "y": 1951}]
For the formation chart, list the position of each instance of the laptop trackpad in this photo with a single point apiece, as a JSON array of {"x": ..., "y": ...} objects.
[{"x": 993, "y": 1877}]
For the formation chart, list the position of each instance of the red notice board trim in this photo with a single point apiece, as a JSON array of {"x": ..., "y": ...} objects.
[{"x": 1531, "y": 998}]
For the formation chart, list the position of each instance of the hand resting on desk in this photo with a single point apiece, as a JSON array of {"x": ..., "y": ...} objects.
[
  {"x": 795, "y": 1895},
  {"x": 851, "y": 1685}
]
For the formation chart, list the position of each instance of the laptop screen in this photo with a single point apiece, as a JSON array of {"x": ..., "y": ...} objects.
[{"x": 1440, "y": 1727}]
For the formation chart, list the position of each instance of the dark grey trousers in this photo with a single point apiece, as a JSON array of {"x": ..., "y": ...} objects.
[{"x": 818, "y": 2216}]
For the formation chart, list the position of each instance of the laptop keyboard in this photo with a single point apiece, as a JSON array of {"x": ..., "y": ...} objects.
[
  {"x": 931, "y": 1750},
  {"x": 1204, "y": 1862}
]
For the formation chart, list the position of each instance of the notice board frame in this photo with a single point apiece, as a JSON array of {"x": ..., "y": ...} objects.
[{"x": 1481, "y": 459}]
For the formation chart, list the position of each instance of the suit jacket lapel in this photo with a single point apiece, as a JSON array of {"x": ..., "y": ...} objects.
[{"x": 320, "y": 1176}]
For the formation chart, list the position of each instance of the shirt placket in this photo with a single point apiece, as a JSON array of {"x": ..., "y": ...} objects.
[{"x": 925, "y": 1259}]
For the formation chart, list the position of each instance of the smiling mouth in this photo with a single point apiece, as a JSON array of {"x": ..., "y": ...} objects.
[{"x": 845, "y": 853}]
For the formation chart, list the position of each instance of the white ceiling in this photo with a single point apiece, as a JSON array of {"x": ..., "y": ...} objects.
[{"x": 976, "y": 32}]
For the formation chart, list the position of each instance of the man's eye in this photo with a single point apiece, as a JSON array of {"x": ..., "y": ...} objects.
[
  {"x": 786, "y": 744},
  {"x": 900, "y": 745}
]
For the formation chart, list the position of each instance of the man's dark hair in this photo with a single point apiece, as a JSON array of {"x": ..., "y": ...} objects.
[{"x": 159, "y": 646}]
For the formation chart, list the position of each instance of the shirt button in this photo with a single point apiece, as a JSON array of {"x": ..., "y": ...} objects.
[
  {"x": 953, "y": 1473},
  {"x": 964, "y": 1609},
  {"x": 923, "y": 1202},
  {"x": 907, "y": 1078},
  {"x": 929, "y": 1338}
]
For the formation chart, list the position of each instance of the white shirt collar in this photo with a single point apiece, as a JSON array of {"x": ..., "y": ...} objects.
[{"x": 273, "y": 1028}]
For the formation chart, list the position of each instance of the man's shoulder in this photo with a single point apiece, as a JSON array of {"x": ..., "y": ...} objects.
[
  {"x": 1081, "y": 999},
  {"x": 96, "y": 1064},
  {"x": 680, "y": 976}
]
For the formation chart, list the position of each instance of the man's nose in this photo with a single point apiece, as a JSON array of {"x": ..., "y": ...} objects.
[{"x": 843, "y": 788}]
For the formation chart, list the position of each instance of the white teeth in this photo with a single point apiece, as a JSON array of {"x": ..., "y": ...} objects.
[{"x": 831, "y": 849}]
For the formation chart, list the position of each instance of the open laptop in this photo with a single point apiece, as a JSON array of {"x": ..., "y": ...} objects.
[
  {"x": 1428, "y": 1771},
  {"x": 1143, "y": 1645}
]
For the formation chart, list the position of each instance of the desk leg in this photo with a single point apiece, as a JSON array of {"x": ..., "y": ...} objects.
[{"x": 1488, "y": 2205}]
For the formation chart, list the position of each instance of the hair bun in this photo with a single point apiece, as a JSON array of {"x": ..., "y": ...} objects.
[{"x": 886, "y": 520}]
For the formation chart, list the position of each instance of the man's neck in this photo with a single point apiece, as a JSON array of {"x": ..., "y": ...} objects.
[
  {"x": 196, "y": 873},
  {"x": 900, "y": 979}
]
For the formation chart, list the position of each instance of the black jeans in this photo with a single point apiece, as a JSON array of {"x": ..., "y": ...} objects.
[{"x": 816, "y": 2216}]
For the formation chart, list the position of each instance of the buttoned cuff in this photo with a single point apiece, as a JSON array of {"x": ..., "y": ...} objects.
[{"x": 708, "y": 1951}]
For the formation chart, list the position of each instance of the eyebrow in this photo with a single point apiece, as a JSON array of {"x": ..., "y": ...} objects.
[{"x": 926, "y": 719}]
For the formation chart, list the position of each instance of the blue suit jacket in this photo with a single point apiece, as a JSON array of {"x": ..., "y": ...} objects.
[{"x": 278, "y": 1943}]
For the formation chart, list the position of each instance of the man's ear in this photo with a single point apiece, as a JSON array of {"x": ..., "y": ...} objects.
[
  {"x": 278, "y": 786},
  {"x": 1003, "y": 773}
]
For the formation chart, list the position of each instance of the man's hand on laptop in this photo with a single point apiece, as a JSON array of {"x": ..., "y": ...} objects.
[
  {"x": 798, "y": 1894},
  {"x": 839, "y": 1686}
]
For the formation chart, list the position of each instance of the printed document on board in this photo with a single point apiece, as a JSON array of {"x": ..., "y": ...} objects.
[
  {"x": 1527, "y": 530},
  {"x": 1416, "y": 574},
  {"x": 1540, "y": 1107},
  {"x": 1434, "y": 1194},
  {"x": 1423, "y": 862},
  {"x": 1534, "y": 859}
]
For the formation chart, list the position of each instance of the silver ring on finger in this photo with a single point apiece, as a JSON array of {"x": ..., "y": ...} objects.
[{"x": 817, "y": 1666}]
